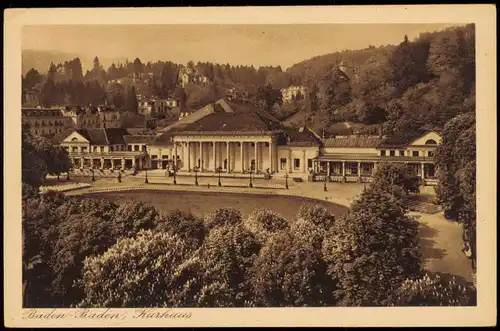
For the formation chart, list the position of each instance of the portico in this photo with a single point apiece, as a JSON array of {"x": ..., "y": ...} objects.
[{"x": 232, "y": 153}]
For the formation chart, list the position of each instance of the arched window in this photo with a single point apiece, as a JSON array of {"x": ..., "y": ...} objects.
[
  {"x": 74, "y": 139},
  {"x": 431, "y": 142}
]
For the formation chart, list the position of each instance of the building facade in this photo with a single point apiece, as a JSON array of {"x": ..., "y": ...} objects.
[
  {"x": 45, "y": 121},
  {"x": 100, "y": 117},
  {"x": 234, "y": 137},
  {"x": 111, "y": 148},
  {"x": 290, "y": 93}
]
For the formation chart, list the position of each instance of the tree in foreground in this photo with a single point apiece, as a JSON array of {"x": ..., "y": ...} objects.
[
  {"x": 311, "y": 224},
  {"x": 222, "y": 217},
  {"x": 433, "y": 291},
  {"x": 185, "y": 225},
  {"x": 224, "y": 264},
  {"x": 291, "y": 273},
  {"x": 396, "y": 177},
  {"x": 456, "y": 163},
  {"x": 132, "y": 216},
  {"x": 145, "y": 271},
  {"x": 264, "y": 223},
  {"x": 372, "y": 250}
]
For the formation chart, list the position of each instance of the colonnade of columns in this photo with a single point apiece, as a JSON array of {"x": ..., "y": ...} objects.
[
  {"x": 106, "y": 162},
  {"x": 339, "y": 168},
  {"x": 226, "y": 156}
]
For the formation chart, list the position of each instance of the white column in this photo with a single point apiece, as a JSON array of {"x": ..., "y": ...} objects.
[
  {"x": 188, "y": 157},
  {"x": 175, "y": 154},
  {"x": 241, "y": 157},
  {"x": 343, "y": 169},
  {"x": 227, "y": 156},
  {"x": 304, "y": 167},
  {"x": 256, "y": 159},
  {"x": 359, "y": 168},
  {"x": 423, "y": 172},
  {"x": 271, "y": 156},
  {"x": 201, "y": 156},
  {"x": 214, "y": 155}
]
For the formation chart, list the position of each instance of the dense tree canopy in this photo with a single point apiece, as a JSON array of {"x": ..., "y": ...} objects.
[{"x": 372, "y": 249}]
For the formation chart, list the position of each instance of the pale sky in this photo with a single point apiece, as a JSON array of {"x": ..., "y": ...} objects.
[{"x": 256, "y": 45}]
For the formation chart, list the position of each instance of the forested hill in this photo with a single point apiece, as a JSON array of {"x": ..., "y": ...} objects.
[{"x": 401, "y": 89}]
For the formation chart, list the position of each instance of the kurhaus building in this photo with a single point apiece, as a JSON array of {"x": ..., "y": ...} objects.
[{"x": 237, "y": 139}]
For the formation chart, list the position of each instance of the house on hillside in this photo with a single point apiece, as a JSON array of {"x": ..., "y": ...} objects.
[{"x": 292, "y": 92}]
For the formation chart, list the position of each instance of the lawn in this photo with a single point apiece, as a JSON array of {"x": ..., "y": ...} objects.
[{"x": 200, "y": 203}]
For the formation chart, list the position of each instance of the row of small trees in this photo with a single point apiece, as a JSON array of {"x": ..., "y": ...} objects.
[{"x": 95, "y": 253}]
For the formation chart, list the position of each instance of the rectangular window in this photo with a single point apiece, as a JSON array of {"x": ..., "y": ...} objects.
[
  {"x": 84, "y": 149},
  {"x": 392, "y": 153},
  {"x": 164, "y": 157},
  {"x": 283, "y": 164},
  {"x": 382, "y": 153},
  {"x": 74, "y": 149},
  {"x": 110, "y": 148},
  {"x": 309, "y": 163},
  {"x": 414, "y": 153},
  {"x": 136, "y": 148},
  {"x": 95, "y": 149},
  {"x": 296, "y": 164},
  {"x": 129, "y": 148},
  {"x": 154, "y": 157},
  {"x": 430, "y": 154},
  {"x": 102, "y": 149},
  {"x": 401, "y": 153}
]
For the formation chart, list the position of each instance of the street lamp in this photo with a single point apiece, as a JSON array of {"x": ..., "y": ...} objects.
[
  {"x": 93, "y": 176},
  {"x": 286, "y": 180},
  {"x": 251, "y": 184},
  {"x": 119, "y": 177},
  {"x": 219, "y": 170},
  {"x": 146, "y": 181},
  {"x": 324, "y": 186},
  {"x": 196, "y": 169}
]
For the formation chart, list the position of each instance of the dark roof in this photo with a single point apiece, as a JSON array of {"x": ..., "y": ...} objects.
[
  {"x": 401, "y": 140},
  {"x": 115, "y": 135},
  {"x": 138, "y": 139},
  {"x": 352, "y": 142},
  {"x": 299, "y": 137},
  {"x": 234, "y": 122},
  {"x": 165, "y": 138},
  {"x": 110, "y": 136},
  {"x": 59, "y": 137}
]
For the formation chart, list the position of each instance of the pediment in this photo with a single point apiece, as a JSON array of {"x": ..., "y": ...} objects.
[{"x": 75, "y": 137}]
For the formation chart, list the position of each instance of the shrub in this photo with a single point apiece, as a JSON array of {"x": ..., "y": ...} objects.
[{"x": 433, "y": 291}]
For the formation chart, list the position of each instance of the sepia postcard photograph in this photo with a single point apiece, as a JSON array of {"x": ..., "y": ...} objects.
[{"x": 303, "y": 166}]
